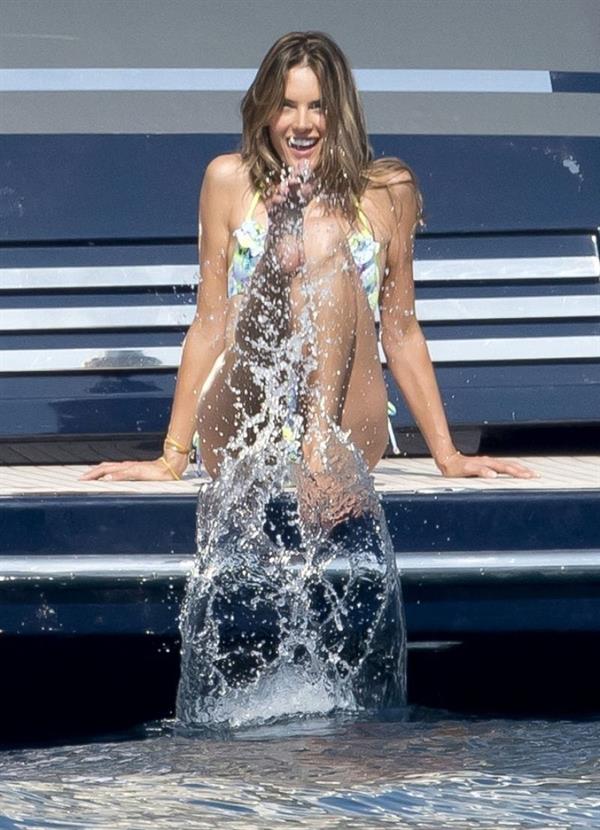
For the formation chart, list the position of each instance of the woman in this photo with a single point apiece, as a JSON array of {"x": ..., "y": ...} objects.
[{"x": 302, "y": 112}]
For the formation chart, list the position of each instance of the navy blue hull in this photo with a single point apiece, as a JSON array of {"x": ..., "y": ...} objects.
[{"x": 470, "y": 563}]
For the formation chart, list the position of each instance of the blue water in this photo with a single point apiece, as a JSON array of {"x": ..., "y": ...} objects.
[{"x": 427, "y": 771}]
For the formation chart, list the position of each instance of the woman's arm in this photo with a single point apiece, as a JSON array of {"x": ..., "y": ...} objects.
[
  {"x": 204, "y": 340},
  {"x": 406, "y": 350}
]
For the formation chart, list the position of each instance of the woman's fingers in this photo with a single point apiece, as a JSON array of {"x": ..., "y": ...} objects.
[
  {"x": 296, "y": 189},
  {"x": 483, "y": 466},
  {"x": 107, "y": 471},
  {"x": 127, "y": 471},
  {"x": 100, "y": 470},
  {"x": 300, "y": 190},
  {"x": 510, "y": 467},
  {"x": 513, "y": 468}
]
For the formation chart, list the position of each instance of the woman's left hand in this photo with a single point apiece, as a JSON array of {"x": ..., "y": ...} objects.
[{"x": 458, "y": 465}]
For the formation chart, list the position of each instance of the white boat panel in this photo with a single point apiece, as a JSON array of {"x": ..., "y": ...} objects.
[
  {"x": 438, "y": 270},
  {"x": 154, "y": 316}
]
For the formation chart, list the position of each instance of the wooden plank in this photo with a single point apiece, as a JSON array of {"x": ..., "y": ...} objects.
[{"x": 392, "y": 475}]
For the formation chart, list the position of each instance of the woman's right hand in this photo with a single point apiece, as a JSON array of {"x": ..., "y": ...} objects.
[
  {"x": 285, "y": 208},
  {"x": 155, "y": 470},
  {"x": 287, "y": 202}
]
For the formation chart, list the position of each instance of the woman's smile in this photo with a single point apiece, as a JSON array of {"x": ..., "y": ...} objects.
[{"x": 302, "y": 147}]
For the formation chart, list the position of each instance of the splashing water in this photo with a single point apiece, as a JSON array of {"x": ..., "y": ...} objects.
[{"x": 293, "y": 606}]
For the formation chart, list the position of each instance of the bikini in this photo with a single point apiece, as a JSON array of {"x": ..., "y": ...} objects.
[
  {"x": 250, "y": 238},
  {"x": 250, "y": 245}
]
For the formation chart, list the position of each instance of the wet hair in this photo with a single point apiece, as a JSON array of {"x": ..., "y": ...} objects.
[{"x": 346, "y": 163}]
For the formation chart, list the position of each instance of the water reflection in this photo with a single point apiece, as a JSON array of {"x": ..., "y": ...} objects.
[{"x": 421, "y": 773}]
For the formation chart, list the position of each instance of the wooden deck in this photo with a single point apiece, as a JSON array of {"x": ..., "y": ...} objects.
[{"x": 407, "y": 475}]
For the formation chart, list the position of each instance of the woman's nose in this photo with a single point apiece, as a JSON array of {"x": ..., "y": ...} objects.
[{"x": 301, "y": 120}]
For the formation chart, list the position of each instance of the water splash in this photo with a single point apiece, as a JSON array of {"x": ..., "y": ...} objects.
[{"x": 293, "y": 606}]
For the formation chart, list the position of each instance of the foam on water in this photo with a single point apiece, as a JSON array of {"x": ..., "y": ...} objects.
[{"x": 299, "y": 614}]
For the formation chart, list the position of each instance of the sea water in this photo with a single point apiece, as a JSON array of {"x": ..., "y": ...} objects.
[{"x": 429, "y": 771}]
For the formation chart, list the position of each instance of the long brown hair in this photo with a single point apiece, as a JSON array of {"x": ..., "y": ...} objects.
[{"x": 344, "y": 166}]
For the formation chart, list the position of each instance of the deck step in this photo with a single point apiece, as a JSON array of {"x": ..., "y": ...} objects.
[{"x": 475, "y": 556}]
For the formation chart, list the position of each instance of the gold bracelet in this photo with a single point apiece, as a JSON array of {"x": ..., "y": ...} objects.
[
  {"x": 448, "y": 457},
  {"x": 175, "y": 445},
  {"x": 169, "y": 468}
]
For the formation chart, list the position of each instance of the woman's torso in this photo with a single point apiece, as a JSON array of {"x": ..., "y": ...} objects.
[
  {"x": 364, "y": 414},
  {"x": 367, "y": 238},
  {"x": 249, "y": 244}
]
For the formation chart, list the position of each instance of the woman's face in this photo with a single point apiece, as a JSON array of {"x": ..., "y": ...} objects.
[{"x": 298, "y": 129}]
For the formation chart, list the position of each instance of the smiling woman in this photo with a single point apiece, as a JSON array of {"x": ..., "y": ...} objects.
[
  {"x": 306, "y": 166},
  {"x": 303, "y": 107},
  {"x": 296, "y": 131}
]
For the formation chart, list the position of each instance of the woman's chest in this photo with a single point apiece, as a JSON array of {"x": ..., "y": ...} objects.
[{"x": 362, "y": 249}]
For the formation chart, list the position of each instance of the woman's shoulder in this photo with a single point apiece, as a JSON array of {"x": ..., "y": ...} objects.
[
  {"x": 226, "y": 170},
  {"x": 391, "y": 183},
  {"x": 225, "y": 188},
  {"x": 388, "y": 173}
]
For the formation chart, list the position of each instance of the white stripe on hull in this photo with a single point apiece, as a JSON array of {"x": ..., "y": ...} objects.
[
  {"x": 175, "y": 316},
  {"x": 226, "y": 79},
  {"x": 425, "y": 270},
  {"x": 479, "y": 350}
]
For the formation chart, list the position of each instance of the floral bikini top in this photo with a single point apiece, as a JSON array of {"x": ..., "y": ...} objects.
[{"x": 250, "y": 238}]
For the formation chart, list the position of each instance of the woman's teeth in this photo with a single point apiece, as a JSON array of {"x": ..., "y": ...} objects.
[{"x": 302, "y": 143}]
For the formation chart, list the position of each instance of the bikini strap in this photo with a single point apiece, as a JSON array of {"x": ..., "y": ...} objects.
[
  {"x": 363, "y": 221},
  {"x": 253, "y": 204}
]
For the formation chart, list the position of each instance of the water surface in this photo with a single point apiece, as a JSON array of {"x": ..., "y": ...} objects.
[{"x": 427, "y": 771}]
